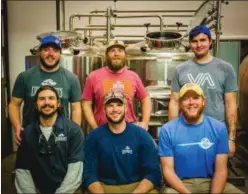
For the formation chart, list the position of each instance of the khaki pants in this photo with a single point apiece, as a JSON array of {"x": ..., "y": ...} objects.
[
  {"x": 203, "y": 185},
  {"x": 128, "y": 188}
]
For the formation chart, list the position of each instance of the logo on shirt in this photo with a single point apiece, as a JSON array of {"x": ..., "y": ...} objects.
[
  {"x": 204, "y": 144},
  {"x": 49, "y": 82},
  {"x": 118, "y": 85},
  {"x": 61, "y": 137},
  {"x": 127, "y": 150},
  {"x": 202, "y": 79}
]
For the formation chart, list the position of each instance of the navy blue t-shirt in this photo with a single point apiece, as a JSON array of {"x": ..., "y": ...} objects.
[{"x": 116, "y": 159}]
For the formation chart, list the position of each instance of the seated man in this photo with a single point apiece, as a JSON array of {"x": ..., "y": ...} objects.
[
  {"x": 193, "y": 148},
  {"x": 50, "y": 157},
  {"x": 120, "y": 157}
]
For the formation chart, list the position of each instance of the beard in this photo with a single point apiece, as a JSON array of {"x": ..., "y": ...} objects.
[
  {"x": 110, "y": 120},
  {"x": 192, "y": 118},
  {"x": 49, "y": 115},
  {"x": 115, "y": 67},
  {"x": 200, "y": 56},
  {"x": 49, "y": 67}
]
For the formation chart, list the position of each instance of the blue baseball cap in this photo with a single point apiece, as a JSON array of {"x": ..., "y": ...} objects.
[
  {"x": 50, "y": 39},
  {"x": 199, "y": 29}
]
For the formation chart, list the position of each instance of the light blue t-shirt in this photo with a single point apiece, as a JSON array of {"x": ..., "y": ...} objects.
[
  {"x": 215, "y": 78},
  {"x": 193, "y": 147}
]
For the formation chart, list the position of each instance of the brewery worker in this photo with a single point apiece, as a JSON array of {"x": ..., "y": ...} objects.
[
  {"x": 50, "y": 157},
  {"x": 114, "y": 76},
  {"x": 49, "y": 72},
  {"x": 120, "y": 157},
  {"x": 193, "y": 148},
  {"x": 216, "y": 78}
]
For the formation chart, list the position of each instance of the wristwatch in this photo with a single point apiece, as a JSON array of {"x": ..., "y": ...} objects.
[{"x": 232, "y": 139}]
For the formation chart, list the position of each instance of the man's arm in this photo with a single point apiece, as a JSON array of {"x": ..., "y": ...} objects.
[
  {"x": 14, "y": 114},
  {"x": 231, "y": 118},
  {"x": 167, "y": 164},
  {"x": 23, "y": 179},
  {"x": 173, "y": 106},
  {"x": 144, "y": 186},
  {"x": 220, "y": 174},
  {"x": 73, "y": 178},
  {"x": 76, "y": 112},
  {"x": 146, "y": 106},
  {"x": 90, "y": 172},
  {"x": 88, "y": 113},
  {"x": 95, "y": 187},
  {"x": 24, "y": 182},
  {"x": 149, "y": 164}
]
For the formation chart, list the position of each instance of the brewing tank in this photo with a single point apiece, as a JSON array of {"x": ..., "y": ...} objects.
[
  {"x": 156, "y": 69},
  {"x": 81, "y": 65},
  {"x": 243, "y": 93}
]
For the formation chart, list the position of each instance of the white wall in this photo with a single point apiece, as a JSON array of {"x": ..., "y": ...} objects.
[{"x": 27, "y": 19}]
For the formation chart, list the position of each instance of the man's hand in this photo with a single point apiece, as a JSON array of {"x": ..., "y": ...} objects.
[
  {"x": 232, "y": 148},
  {"x": 18, "y": 131}
]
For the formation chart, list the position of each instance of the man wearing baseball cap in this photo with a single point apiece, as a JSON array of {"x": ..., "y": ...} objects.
[
  {"x": 120, "y": 157},
  {"x": 48, "y": 72},
  {"x": 216, "y": 77},
  {"x": 114, "y": 75},
  {"x": 193, "y": 148}
]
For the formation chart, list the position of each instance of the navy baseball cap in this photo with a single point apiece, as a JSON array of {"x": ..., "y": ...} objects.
[
  {"x": 50, "y": 39},
  {"x": 199, "y": 29}
]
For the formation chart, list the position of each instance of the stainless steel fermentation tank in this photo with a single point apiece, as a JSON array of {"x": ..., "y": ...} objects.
[
  {"x": 243, "y": 93},
  {"x": 156, "y": 69}
]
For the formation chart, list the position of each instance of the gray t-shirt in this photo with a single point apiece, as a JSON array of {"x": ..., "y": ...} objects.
[
  {"x": 28, "y": 82},
  {"x": 215, "y": 78}
]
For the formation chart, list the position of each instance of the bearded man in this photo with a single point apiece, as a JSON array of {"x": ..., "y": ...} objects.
[
  {"x": 114, "y": 76},
  {"x": 48, "y": 72},
  {"x": 193, "y": 148},
  {"x": 50, "y": 157},
  {"x": 120, "y": 157}
]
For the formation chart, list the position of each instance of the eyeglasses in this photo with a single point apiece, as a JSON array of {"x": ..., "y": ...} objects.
[{"x": 47, "y": 147}]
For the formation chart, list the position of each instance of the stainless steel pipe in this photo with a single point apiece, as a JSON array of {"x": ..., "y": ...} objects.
[
  {"x": 79, "y": 16},
  {"x": 217, "y": 29},
  {"x": 145, "y": 16},
  {"x": 145, "y": 11},
  {"x": 137, "y": 25}
]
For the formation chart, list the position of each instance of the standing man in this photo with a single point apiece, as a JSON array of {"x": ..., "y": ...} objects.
[
  {"x": 50, "y": 157},
  {"x": 193, "y": 148},
  {"x": 49, "y": 72},
  {"x": 120, "y": 157},
  {"x": 114, "y": 76},
  {"x": 216, "y": 78}
]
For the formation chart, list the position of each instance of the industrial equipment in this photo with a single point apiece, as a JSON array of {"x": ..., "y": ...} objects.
[{"x": 154, "y": 58}]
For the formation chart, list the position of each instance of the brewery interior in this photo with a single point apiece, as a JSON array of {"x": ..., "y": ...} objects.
[{"x": 156, "y": 35}]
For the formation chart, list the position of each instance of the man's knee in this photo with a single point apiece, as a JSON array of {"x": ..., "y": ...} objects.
[{"x": 169, "y": 190}]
